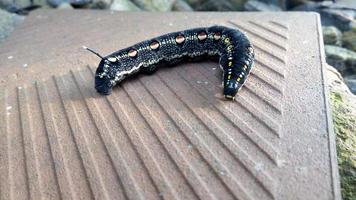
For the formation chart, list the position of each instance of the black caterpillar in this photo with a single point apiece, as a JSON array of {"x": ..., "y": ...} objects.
[{"x": 230, "y": 46}]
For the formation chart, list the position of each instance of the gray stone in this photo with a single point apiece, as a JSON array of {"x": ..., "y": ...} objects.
[
  {"x": 307, "y": 6},
  {"x": 181, "y": 5},
  {"x": 332, "y": 35},
  {"x": 238, "y": 4},
  {"x": 337, "y": 14},
  {"x": 100, "y": 4},
  {"x": 254, "y": 5},
  {"x": 342, "y": 59},
  {"x": 293, "y": 3},
  {"x": 123, "y": 5},
  {"x": 338, "y": 18},
  {"x": 155, "y": 5},
  {"x": 283, "y": 4},
  {"x": 56, "y": 3},
  {"x": 212, "y": 5},
  {"x": 65, "y": 6},
  {"x": 351, "y": 83},
  {"x": 13, "y": 5},
  {"x": 335, "y": 80},
  {"x": 343, "y": 104},
  {"x": 194, "y": 2},
  {"x": 7, "y": 23},
  {"x": 42, "y": 3},
  {"x": 349, "y": 40}
]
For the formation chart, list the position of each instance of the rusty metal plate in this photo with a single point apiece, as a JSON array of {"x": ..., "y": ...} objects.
[{"x": 168, "y": 135}]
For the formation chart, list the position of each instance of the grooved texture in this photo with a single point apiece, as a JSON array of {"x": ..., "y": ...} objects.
[{"x": 169, "y": 135}]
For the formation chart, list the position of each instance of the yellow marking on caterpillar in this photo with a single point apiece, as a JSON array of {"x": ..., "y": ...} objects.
[
  {"x": 229, "y": 76},
  {"x": 238, "y": 79},
  {"x": 229, "y": 47},
  {"x": 227, "y": 40},
  {"x": 230, "y": 64}
]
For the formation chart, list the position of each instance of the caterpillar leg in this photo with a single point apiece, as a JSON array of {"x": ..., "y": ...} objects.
[
  {"x": 229, "y": 97},
  {"x": 103, "y": 85}
]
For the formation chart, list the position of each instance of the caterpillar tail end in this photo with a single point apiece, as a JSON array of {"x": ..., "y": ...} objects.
[{"x": 231, "y": 89}]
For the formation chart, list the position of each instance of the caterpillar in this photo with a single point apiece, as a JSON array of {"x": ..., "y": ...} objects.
[{"x": 230, "y": 47}]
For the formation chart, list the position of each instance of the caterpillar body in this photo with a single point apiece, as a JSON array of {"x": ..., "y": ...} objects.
[{"x": 229, "y": 46}]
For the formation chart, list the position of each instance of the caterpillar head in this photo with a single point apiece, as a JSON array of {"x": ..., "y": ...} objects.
[
  {"x": 103, "y": 83},
  {"x": 103, "y": 79}
]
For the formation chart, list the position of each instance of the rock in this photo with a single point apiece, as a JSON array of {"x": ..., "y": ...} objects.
[
  {"x": 123, "y": 5},
  {"x": 25, "y": 10},
  {"x": 56, "y": 3},
  {"x": 342, "y": 59},
  {"x": 42, "y": 3},
  {"x": 351, "y": 83},
  {"x": 343, "y": 106},
  {"x": 238, "y": 4},
  {"x": 14, "y": 5},
  {"x": 211, "y": 5},
  {"x": 337, "y": 18},
  {"x": 337, "y": 14},
  {"x": 279, "y": 3},
  {"x": 7, "y": 23},
  {"x": 307, "y": 6},
  {"x": 65, "y": 6},
  {"x": 332, "y": 35},
  {"x": 349, "y": 40},
  {"x": 336, "y": 82},
  {"x": 181, "y": 5},
  {"x": 254, "y": 5},
  {"x": 293, "y": 3},
  {"x": 154, "y": 5},
  {"x": 100, "y": 4},
  {"x": 195, "y": 2}
]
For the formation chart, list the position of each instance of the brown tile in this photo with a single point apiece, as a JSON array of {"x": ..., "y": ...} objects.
[{"x": 168, "y": 135}]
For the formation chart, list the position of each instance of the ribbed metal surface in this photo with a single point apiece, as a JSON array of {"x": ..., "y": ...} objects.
[{"x": 165, "y": 136}]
